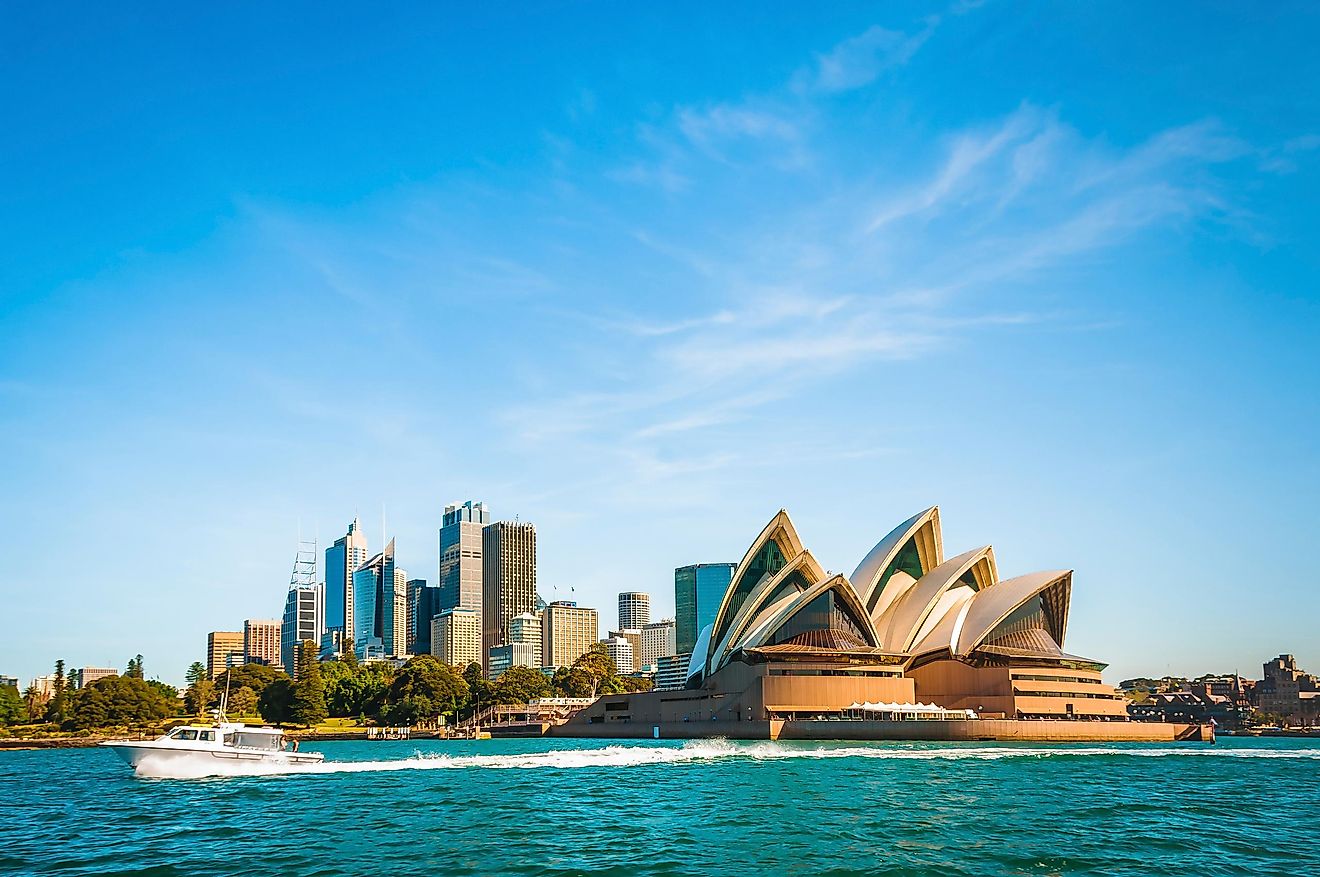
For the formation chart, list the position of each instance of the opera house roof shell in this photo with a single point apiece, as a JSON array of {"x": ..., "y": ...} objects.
[{"x": 904, "y": 602}]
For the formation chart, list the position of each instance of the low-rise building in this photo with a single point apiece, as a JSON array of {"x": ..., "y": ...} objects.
[
  {"x": 1289, "y": 693},
  {"x": 8, "y": 681},
  {"x": 84, "y": 676}
]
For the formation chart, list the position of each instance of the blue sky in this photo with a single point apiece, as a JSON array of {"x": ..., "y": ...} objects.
[{"x": 644, "y": 275}]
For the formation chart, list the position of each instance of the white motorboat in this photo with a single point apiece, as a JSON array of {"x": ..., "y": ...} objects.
[{"x": 223, "y": 740}]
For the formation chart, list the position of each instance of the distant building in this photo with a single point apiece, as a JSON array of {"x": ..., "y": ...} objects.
[
  {"x": 1288, "y": 692},
  {"x": 332, "y": 644},
  {"x": 223, "y": 647},
  {"x": 525, "y": 630},
  {"x": 657, "y": 641},
  {"x": 671, "y": 672},
  {"x": 347, "y": 554},
  {"x": 304, "y": 621},
  {"x": 456, "y": 636},
  {"x": 634, "y": 610},
  {"x": 503, "y": 657},
  {"x": 44, "y": 686},
  {"x": 620, "y": 651},
  {"x": 568, "y": 631},
  {"x": 8, "y": 682},
  {"x": 85, "y": 676},
  {"x": 380, "y": 607},
  {"x": 461, "y": 570},
  {"x": 261, "y": 642},
  {"x": 634, "y": 637},
  {"x": 508, "y": 556},
  {"x": 698, "y": 590},
  {"x": 423, "y": 605}
]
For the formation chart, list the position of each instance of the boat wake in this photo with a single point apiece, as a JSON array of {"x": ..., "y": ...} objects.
[{"x": 695, "y": 751}]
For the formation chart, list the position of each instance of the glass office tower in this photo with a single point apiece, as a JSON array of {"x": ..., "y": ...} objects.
[{"x": 698, "y": 590}]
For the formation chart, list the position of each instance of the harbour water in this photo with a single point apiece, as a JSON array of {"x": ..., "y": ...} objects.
[{"x": 560, "y": 807}]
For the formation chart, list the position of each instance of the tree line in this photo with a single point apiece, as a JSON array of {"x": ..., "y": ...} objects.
[{"x": 123, "y": 700}]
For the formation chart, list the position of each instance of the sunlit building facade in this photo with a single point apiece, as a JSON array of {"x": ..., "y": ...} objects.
[{"x": 698, "y": 590}]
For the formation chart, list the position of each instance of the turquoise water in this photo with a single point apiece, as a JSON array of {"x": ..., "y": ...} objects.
[{"x": 542, "y": 807}]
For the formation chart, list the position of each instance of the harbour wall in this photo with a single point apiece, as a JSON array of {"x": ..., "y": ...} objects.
[{"x": 947, "y": 730}]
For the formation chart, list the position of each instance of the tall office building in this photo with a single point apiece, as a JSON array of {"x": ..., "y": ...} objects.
[
  {"x": 456, "y": 636},
  {"x": 261, "y": 642},
  {"x": 347, "y": 554},
  {"x": 620, "y": 650},
  {"x": 634, "y": 610},
  {"x": 657, "y": 642},
  {"x": 423, "y": 605},
  {"x": 508, "y": 579},
  {"x": 525, "y": 630},
  {"x": 224, "y": 649},
  {"x": 304, "y": 613},
  {"x": 460, "y": 555},
  {"x": 380, "y": 607},
  {"x": 567, "y": 632},
  {"x": 698, "y": 590}
]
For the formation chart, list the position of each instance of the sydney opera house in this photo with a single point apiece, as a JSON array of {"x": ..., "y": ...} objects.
[{"x": 911, "y": 634}]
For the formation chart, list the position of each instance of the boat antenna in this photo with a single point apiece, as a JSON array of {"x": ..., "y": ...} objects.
[{"x": 220, "y": 717}]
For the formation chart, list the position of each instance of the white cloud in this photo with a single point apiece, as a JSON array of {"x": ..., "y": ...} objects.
[{"x": 859, "y": 60}]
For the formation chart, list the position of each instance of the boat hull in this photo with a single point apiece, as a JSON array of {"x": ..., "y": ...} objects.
[{"x": 139, "y": 753}]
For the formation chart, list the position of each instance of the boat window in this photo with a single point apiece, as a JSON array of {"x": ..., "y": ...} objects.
[
  {"x": 209, "y": 736},
  {"x": 185, "y": 734},
  {"x": 257, "y": 741}
]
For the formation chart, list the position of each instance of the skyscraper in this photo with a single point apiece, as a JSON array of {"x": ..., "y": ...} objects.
[
  {"x": 304, "y": 608},
  {"x": 567, "y": 632},
  {"x": 380, "y": 607},
  {"x": 423, "y": 605},
  {"x": 460, "y": 556},
  {"x": 698, "y": 590},
  {"x": 224, "y": 648},
  {"x": 634, "y": 610},
  {"x": 347, "y": 554},
  {"x": 508, "y": 555},
  {"x": 261, "y": 642}
]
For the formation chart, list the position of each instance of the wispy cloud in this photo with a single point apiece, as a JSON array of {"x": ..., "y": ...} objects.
[{"x": 859, "y": 60}]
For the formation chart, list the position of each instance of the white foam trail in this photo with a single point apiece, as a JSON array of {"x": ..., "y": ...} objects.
[{"x": 693, "y": 751}]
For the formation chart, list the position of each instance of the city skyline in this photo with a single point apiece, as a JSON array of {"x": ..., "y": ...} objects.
[{"x": 582, "y": 264}]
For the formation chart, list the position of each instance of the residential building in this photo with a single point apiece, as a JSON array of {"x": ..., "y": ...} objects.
[
  {"x": 304, "y": 621},
  {"x": 44, "y": 686},
  {"x": 224, "y": 648},
  {"x": 380, "y": 607},
  {"x": 85, "y": 676},
  {"x": 620, "y": 650},
  {"x": 341, "y": 559},
  {"x": 423, "y": 605},
  {"x": 503, "y": 657},
  {"x": 8, "y": 681},
  {"x": 634, "y": 610},
  {"x": 657, "y": 640},
  {"x": 568, "y": 631},
  {"x": 456, "y": 636},
  {"x": 698, "y": 590},
  {"x": 508, "y": 555},
  {"x": 671, "y": 672},
  {"x": 261, "y": 642},
  {"x": 525, "y": 629},
  {"x": 1288, "y": 692},
  {"x": 461, "y": 569}
]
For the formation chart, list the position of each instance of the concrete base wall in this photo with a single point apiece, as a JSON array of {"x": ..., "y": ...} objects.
[{"x": 973, "y": 729}]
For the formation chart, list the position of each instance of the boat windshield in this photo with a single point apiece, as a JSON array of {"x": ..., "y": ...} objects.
[
  {"x": 184, "y": 734},
  {"x": 257, "y": 741}
]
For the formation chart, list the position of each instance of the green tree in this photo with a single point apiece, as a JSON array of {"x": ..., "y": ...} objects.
[
  {"x": 242, "y": 702},
  {"x": 254, "y": 676},
  {"x": 308, "y": 704},
  {"x": 353, "y": 689},
  {"x": 134, "y": 670},
  {"x": 520, "y": 685},
  {"x": 276, "y": 699},
  {"x": 57, "y": 710},
  {"x": 423, "y": 690},
  {"x": 167, "y": 690},
  {"x": 196, "y": 672},
  {"x": 13, "y": 711},
  {"x": 591, "y": 675},
  {"x": 34, "y": 701},
  {"x": 117, "y": 701},
  {"x": 200, "y": 695}
]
